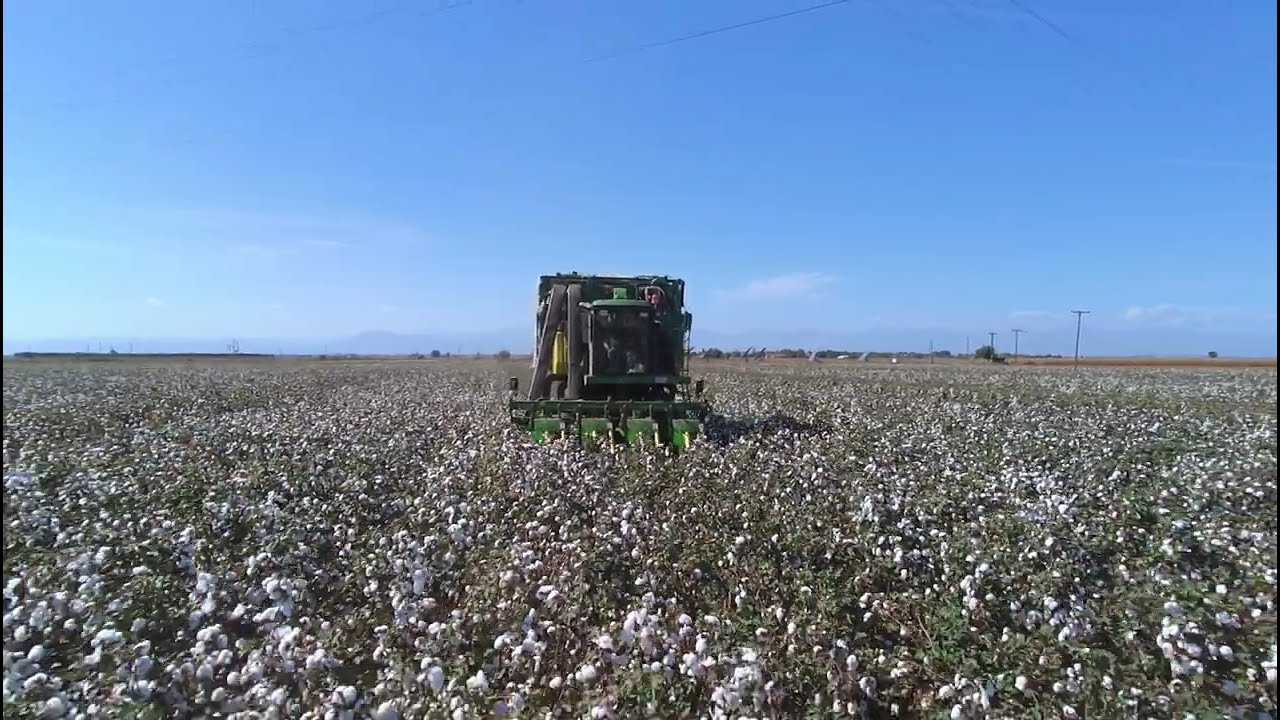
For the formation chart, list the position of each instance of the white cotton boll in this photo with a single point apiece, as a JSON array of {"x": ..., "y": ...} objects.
[
  {"x": 316, "y": 659},
  {"x": 107, "y": 636},
  {"x": 478, "y": 682},
  {"x": 1068, "y": 711},
  {"x": 586, "y": 674},
  {"x": 279, "y": 696},
  {"x": 604, "y": 642},
  {"x": 204, "y": 673},
  {"x": 647, "y": 644},
  {"x": 945, "y": 692},
  {"x": 435, "y": 678},
  {"x": 36, "y": 653},
  {"x": 54, "y": 707},
  {"x": 868, "y": 685},
  {"x": 957, "y": 712},
  {"x": 345, "y": 695},
  {"x": 386, "y": 711},
  {"x": 204, "y": 582},
  {"x": 1021, "y": 683},
  {"x": 34, "y": 681},
  {"x": 218, "y": 695}
]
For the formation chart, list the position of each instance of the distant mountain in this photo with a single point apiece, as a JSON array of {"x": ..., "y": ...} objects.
[{"x": 1145, "y": 341}]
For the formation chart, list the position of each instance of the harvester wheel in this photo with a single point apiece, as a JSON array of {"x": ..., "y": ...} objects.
[{"x": 557, "y": 390}]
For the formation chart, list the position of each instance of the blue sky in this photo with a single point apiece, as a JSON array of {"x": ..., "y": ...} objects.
[{"x": 309, "y": 169}]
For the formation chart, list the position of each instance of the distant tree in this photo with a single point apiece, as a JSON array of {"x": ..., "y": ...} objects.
[
  {"x": 435, "y": 353},
  {"x": 504, "y": 354},
  {"x": 1213, "y": 353},
  {"x": 713, "y": 353},
  {"x": 986, "y": 352}
]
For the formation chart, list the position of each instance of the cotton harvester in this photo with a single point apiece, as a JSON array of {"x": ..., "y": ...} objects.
[{"x": 611, "y": 362}]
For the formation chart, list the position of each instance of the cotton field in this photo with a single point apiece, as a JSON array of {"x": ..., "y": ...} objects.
[{"x": 373, "y": 539}]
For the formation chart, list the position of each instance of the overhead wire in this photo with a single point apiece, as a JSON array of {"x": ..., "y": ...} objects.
[
  {"x": 716, "y": 30},
  {"x": 1040, "y": 18}
]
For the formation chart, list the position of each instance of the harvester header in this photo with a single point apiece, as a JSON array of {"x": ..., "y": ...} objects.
[{"x": 610, "y": 361}]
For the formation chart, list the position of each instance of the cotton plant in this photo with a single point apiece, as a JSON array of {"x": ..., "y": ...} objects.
[{"x": 331, "y": 540}]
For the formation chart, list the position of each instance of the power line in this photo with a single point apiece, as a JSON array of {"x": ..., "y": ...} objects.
[
  {"x": 716, "y": 31},
  {"x": 1042, "y": 19}
]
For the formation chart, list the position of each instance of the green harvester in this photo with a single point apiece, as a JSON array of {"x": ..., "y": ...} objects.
[{"x": 610, "y": 363}]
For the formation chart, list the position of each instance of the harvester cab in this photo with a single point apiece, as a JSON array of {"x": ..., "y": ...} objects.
[{"x": 610, "y": 362}]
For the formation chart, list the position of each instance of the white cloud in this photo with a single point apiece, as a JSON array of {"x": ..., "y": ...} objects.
[
  {"x": 1171, "y": 315},
  {"x": 272, "y": 236},
  {"x": 297, "y": 230},
  {"x": 1034, "y": 315},
  {"x": 1221, "y": 164},
  {"x": 790, "y": 285},
  {"x": 154, "y": 302},
  {"x": 263, "y": 251}
]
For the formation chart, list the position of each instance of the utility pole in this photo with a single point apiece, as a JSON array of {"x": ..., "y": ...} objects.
[
  {"x": 993, "y": 345},
  {"x": 1016, "y": 333},
  {"x": 931, "y": 352},
  {"x": 1079, "y": 315},
  {"x": 966, "y": 344}
]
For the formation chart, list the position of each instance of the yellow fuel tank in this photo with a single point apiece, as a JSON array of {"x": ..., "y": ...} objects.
[{"x": 560, "y": 354}]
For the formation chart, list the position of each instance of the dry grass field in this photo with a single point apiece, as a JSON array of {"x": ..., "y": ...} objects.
[{"x": 1152, "y": 362}]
